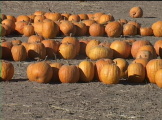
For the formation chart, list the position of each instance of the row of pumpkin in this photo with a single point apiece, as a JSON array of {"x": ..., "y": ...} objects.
[
  {"x": 69, "y": 47},
  {"x": 105, "y": 70},
  {"x": 50, "y": 24}
]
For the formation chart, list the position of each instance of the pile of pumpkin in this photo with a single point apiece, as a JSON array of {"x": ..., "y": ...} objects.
[
  {"x": 109, "y": 65},
  {"x": 51, "y": 24}
]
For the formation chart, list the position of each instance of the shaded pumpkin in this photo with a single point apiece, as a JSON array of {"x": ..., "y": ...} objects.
[
  {"x": 19, "y": 26},
  {"x": 6, "y": 50}
]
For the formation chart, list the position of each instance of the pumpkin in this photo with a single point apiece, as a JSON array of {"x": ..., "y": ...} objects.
[
  {"x": 91, "y": 44},
  {"x": 129, "y": 29},
  {"x": 16, "y": 42},
  {"x": 55, "y": 67},
  {"x": 122, "y": 21},
  {"x": 81, "y": 29},
  {"x": 18, "y": 53},
  {"x": 5, "y": 30},
  {"x": 35, "y": 38},
  {"x": 39, "y": 12},
  {"x": 136, "y": 73},
  {"x": 69, "y": 74},
  {"x": 143, "y": 61},
  {"x": 96, "y": 30},
  {"x": 136, "y": 12},
  {"x": 28, "y": 30},
  {"x": 38, "y": 28},
  {"x": 149, "y": 48},
  {"x": 22, "y": 18},
  {"x": 146, "y": 31},
  {"x": 7, "y": 70},
  {"x": 156, "y": 27},
  {"x": 73, "y": 17},
  {"x": 90, "y": 16},
  {"x": 52, "y": 47},
  {"x": 53, "y": 16},
  {"x": 25, "y": 44},
  {"x": 19, "y": 26},
  {"x": 67, "y": 28},
  {"x": 121, "y": 49},
  {"x": 105, "y": 18},
  {"x": 6, "y": 50},
  {"x": 123, "y": 65},
  {"x": 83, "y": 16},
  {"x": 136, "y": 45},
  {"x": 138, "y": 25},
  {"x": 88, "y": 23},
  {"x": 39, "y": 18},
  {"x": 158, "y": 47},
  {"x": 9, "y": 23},
  {"x": 86, "y": 70},
  {"x": 65, "y": 16},
  {"x": 74, "y": 41},
  {"x": 144, "y": 54},
  {"x": 40, "y": 72},
  {"x": 67, "y": 50},
  {"x": 31, "y": 18},
  {"x": 152, "y": 67},
  {"x": 99, "y": 65},
  {"x": 130, "y": 41},
  {"x": 49, "y": 30},
  {"x": 105, "y": 44},
  {"x": 113, "y": 29},
  {"x": 110, "y": 74},
  {"x": 36, "y": 51},
  {"x": 158, "y": 78},
  {"x": 96, "y": 16},
  {"x": 98, "y": 52}
]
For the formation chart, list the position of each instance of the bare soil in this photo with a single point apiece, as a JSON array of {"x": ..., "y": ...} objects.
[{"x": 25, "y": 100}]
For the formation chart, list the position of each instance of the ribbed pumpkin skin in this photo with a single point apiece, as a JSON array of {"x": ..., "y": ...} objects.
[
  {"x": 123, "y": 65},
  {"x": 86, "y": 69},
  {"x": 52, "y": 47},
  {"x": 136, "y": 12},
  {"x": 49, "y": 30},
  {"x": 74, "y": 41},
  {"x": 110, "y": 74},
  {"x": 121, "y": 49},
  {"x": 158, "y": 78},
  {"x": 40, "y": 72},
  {"x": 6, "y": 71},
  {"x": 69, "y": 74},
  {"x": 152, "y": 67},
  {"x": 28, "y": 30},
  {"x": 136, "y": 73},
  {"x": 99, "y": 65},
  {"x": 98, "y": 52},
  {"x": 67, "y": 28},
  {"x": 91, "y": 44},
  {"x": 18, "y": 53},
  {"x": 136, "y": 45},
  {"x": 55, "y": 67},
  {"x": 67, "y": 51},
  {"x": 129, "y": 29},
  {"x": 156, "y": 27},
  {"x": 113, "y": 29},
  {"x": 96, "y": 30},
  {"x": 36, "y": 51}
]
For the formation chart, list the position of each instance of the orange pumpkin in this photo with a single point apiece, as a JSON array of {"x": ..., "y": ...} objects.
[
  {"x": 158, "y": 78},
  {"x": 105, "y": 18},
  {"x": 40, "y": 72},
  {"x": 19, "y": 26},
  {"x": 28, "y": 30},
  {"x": 35, "y": 38},
  {"x": 69, "y": 74},
  {"x": 96, "y": 30},
  {"x": 136, "y": 12},
  {"x": 146, "y": 31},
  {"x": 7, "y": 70},
  {"x": 22, "y": 18},
  {"x": 74, "y": 17},
  {"x": 156, "y": 27},
  {"x": 158, "y": 47},
  {"x": 129, "y": 29}
]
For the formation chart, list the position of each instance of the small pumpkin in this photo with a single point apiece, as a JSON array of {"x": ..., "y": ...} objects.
[
  {"x": 28, "y": 30},
  {"x": 136, "y": 12},
  {"x": 96, "y": 30},
  {"x": 22, "y": 18},
  {"x": 129, "y": 30},
  {"x": 7, "y": 70},
  {"x": 74, "y": 17},
  {"x": 105, "y": 18},
  {"x": 35, "y": 38},
  {"x": 146, "y": 31}
]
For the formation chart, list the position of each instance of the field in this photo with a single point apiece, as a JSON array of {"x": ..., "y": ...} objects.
[{"x": 25, "y": 100}]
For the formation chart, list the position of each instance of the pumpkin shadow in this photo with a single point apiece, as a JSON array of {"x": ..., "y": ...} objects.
[
  {"x": 16, "y": 80},
  {"x": 149, "y": 17},
  {"x": 126, "y": 82}
]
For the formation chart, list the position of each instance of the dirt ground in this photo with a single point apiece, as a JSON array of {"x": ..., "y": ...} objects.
[{"x": 24, "y": 100}]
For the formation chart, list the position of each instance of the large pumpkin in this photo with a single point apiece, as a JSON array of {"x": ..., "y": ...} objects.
[
  {"x": 69, "y": 74},
  {"x": 96, "y": 30},
  {"x": 7, "y": 70},
  {"x": 136, "y": 72},
  {"x": 152, "y": 67},
  {"x": 40, "y": 72},
  {"x": 156, "y": 27},
  {"x": 86, "y": 69},
  {"x": 110, "y": 74},
  {"x": 158, "y": 78}
]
